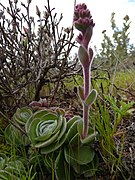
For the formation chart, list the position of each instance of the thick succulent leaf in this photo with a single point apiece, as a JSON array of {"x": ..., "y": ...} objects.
[
  {"x": 46, "y": 130},
  {"x": 80, "y": 27},
  {"x": 25, "y": 140},
  {"x": 40, "y": 113},
  {"x": 91, "y": 98},
  {"x": 81, "y": 93},
  {"x": 62, "y": 169},
  {"x": 83, "y": 56},
  {"x": 89, "y": 138},
  {"x": 72, "y": 131},
  {"x": 72, "y": 120},
  {"x": 48, "y": 142},
  {"x": 91, "y": 133},
  {"x": 88, "y": 34},
  {"x": 82, "y": 155},
  {"x": 59, "y": 123},
  {"x": 49, "y": 116},
  {"x": 80, "y": 127},
  {"x": 43, "y": 137},
  {"x": 72, "y": 127},
  {"x": 75, "y": 141},
  {"x": 60, "y": 111},
  {"x": 37, "y": 114},
  {"x": 63, "y": 128},
  {"x": 32, "y": 130},
  {"x": 54, "y": 146},
  {"x": 67, "y": 154}
]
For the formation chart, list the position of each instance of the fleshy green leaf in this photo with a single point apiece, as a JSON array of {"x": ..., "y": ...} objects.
[
  {"x": 72, "y": 120},
  {"x": 80, "y": 127},
  {"x": 48, "y": 142},
  {"x": 81, "y": 93},
  {"x": 89, "y": 138},
  {"x": 72, "y": 131},
  {"x": 83, "y": 56},
  {"x": 63, "y": 128},
  {"x": 75, "y": 140},
  {"x": 91, "y": 98},
  {"x": 80, "y": 27},
  {"x": 59, "y": 123},
  {"x": 82, "y": 155},
  {"x": 34, "y": 116},
  {"x": 53, "y": 146}
]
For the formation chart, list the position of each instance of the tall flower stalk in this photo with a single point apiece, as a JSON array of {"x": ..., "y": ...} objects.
[{"x": 84, "y": 23}]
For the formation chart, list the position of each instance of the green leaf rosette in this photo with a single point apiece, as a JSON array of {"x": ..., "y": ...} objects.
[
  {"x": 22, "y": 115},
  {"x": 15, "y": 132},
  {"x": 14, "y": 136},
  {"x": 46, "y": 130}
]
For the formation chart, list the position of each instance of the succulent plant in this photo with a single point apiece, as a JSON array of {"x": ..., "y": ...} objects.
[
  {"x": 46, "y": 130},
  {"x": 22, "y": 115},
  {"x": 15, "y": 132}
]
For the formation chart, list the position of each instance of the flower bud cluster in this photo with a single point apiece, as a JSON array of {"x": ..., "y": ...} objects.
[{"x": 82, "y": 18}]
